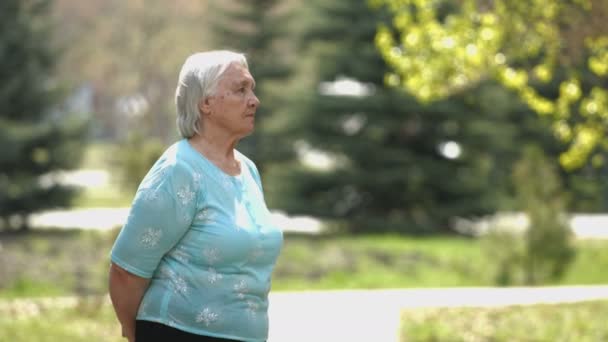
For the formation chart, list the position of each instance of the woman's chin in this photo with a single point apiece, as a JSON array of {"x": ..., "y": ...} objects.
[{"x": 248, "y": 131}]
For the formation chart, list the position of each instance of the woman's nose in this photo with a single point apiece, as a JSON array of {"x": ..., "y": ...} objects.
[{"x": 254, "y": 101}]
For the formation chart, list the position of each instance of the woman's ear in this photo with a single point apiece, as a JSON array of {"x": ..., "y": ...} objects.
[{"x": 204, "y": 105}]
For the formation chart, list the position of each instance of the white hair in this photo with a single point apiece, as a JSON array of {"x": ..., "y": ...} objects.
[{"x": 198, "y": 79}]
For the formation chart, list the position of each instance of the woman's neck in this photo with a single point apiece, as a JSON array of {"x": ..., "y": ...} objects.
[
  {"x": 218, "y": 151},
  {"x": 214, "y": 147}
]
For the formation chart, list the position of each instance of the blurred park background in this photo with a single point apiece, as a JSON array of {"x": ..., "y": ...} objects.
[{"x": 402, "y": 144}]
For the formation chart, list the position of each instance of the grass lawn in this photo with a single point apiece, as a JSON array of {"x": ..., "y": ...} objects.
[
  {"x": 377, "y": 262},
  {"x": 580, "y": 322},
  {"x": 391, "y": 261},
  {"x": 53, "y": 263},
  {"x": 90, "y": 320}
]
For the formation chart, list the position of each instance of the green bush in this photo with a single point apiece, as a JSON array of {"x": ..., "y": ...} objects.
[
  {"x": 506, "y": 250},
  {"x": 543, "y": 251},
  {"x": 134, "y": 158}
]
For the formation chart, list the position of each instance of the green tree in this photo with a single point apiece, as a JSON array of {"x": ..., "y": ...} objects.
[
  {"x": 394, "y": 162},
  {"x": 37, "y": 137},
  {"x": 134, "y": 158},
  {"x": 436, "y": 48},
  {"x": 260, "y": 29}
]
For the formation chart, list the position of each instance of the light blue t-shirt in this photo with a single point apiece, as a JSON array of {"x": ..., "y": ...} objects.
[{"x": 207, "y": 242}]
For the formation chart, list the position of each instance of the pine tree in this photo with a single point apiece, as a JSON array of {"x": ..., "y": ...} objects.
[
  {"x": 259, "y": 28},
  {"x": 395, "y": 162},
  {"x": 37, "y": 138}
]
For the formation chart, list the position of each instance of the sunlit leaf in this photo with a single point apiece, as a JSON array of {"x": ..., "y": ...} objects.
[{"x": 517, "y": 43}]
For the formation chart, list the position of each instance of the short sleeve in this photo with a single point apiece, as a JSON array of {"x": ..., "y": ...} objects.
[{"x": 161, "y": 213}]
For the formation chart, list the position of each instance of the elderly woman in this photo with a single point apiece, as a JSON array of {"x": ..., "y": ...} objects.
[{"x": 194, "y": 260}]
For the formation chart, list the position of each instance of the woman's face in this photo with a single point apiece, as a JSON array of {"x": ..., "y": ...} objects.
[{"x": 234, "y": 104}]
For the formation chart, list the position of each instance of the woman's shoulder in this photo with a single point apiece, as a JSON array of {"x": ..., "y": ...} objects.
[{"x": 175, "y": 160}]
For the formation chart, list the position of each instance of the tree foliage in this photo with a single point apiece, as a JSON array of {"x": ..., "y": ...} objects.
[
  {"x": 136, "y": 155},
  {"x": 36, "y": 135},
  {"x": 395, "y": 164},
  {"x": 552, "y": 53}
]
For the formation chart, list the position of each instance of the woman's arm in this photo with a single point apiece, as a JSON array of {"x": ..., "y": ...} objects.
[
  {"x": 126, "y": 292},
  {"x": 161, "y": 213}
]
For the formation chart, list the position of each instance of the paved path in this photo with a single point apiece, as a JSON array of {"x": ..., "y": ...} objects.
[
  {"x": 593, "y": 226},
  {"x": 373, "y": 316},
  {"x": 107, "y": 218},
  {"x": 585, "y": 226}
]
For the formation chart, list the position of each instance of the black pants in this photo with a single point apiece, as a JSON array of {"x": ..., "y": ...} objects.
[{"x": 146, "y": 331}]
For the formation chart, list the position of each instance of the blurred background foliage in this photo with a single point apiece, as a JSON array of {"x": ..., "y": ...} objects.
[
  {"x": 376, "y": 116},
  {"x": 335, "y": 138}
]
